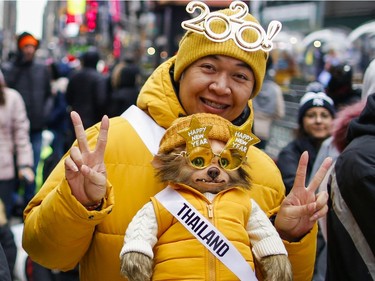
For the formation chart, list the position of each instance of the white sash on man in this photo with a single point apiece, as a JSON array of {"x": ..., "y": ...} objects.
[
  {"x": 146, "y": 128},
  {"x": 206, "y": 233}
]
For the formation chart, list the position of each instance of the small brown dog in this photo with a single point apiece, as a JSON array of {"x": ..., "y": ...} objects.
[{"x": 203, "y": 158}]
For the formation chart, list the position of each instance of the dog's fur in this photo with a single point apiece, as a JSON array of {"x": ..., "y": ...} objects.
[{"x": 173, "y": 168}]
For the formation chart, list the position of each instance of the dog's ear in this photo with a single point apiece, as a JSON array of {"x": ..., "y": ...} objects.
[{"x": 156, "y": 162}]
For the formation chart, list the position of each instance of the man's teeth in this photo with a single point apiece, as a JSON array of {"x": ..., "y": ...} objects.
[{"x": 216, "y": 105}]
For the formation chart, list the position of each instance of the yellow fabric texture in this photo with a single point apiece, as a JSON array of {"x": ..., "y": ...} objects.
[
  {"x": 194, "y": 46},
  {"x": 179, "y": 253},
  {"x": 219, "y": 131},
  {"x": 60, "y": 233}
]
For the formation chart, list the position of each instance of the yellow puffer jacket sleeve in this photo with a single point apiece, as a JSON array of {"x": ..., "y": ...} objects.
[
  {"x": 65, "y": 230},
  {"x": 302, "y": 255},
  {"x": 59, "y": 233}
]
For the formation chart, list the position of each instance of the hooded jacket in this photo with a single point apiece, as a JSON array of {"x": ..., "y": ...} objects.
[
  {"x": 350, "y": 220},
  {"x": 15, "y": 146},
  {"x": 60, "y": 233}
]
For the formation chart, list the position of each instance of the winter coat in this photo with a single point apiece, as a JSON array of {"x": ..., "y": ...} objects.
[
  {"x": 14, "y": 135},
  {"x": 32, "y": 81},
  {"x": 289, "y": 156},
  {"x": 4, "y": 269},
  {"x": 59, "y": 231},
  {"x": 9, "y": 246},
  {"x": 350, "y": 219}
]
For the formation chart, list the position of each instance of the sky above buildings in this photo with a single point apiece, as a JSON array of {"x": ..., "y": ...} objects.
[{"x": 30, "y": 16}]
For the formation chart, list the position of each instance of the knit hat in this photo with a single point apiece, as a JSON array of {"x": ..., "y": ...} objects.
[
  {"x": 172, "y": 138},
  {"x": 311, "y": 99},
  {"x": 195, "y": 45},
  {"x": 26, "y": 38},
  {"x": 315, "y": 87}
]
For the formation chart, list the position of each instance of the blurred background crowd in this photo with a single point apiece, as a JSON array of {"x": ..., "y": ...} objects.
[
  {"x": 316, "y": 35},
  {"x": 93, "y": 57}
]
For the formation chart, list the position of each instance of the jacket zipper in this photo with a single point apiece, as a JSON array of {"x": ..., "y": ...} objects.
[{"x": 211, "y": 257}]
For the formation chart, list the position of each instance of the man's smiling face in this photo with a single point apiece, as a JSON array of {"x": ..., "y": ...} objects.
[{"x": 216, "y": 84}]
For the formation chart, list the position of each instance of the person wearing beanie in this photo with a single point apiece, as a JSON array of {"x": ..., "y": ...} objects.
[
  {"x": 310, "y": 100},
  {"x": 315, "y": 117},
  {"x": 31, "y": 79},
  {"x": 27, "y": 44},
  {"x": 106, "y": 177}
]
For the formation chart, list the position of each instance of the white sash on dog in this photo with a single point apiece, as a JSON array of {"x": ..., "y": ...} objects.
[
  {"x": 206, "y": 233},
  {"x": 151, "y": 134}
]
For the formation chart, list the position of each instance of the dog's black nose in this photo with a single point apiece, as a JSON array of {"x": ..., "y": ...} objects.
[{"x": 213, "y": 172}]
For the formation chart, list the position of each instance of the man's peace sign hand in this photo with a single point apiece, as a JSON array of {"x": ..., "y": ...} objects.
[
  {"x": 302, "y": 207},
  {"x": 84, "y": 169}
]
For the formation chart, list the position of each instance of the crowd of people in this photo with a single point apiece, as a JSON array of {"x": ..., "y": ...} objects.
[
  {"x": 107, "y": 130},
  {"x": 35, "y": 98}
]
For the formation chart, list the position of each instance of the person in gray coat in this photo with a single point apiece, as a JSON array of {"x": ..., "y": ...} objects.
[
  {"x": 31, "y": 79},
  {"x": 16, "y": 154}
]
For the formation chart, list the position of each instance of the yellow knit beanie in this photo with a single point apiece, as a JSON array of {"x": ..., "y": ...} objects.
[
  {"x": 172, "y": 139},
  {"x": 194, "y": 46}
]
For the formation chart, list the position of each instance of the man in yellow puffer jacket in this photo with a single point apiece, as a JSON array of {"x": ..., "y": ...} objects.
[{"x": 80, "y": 214}]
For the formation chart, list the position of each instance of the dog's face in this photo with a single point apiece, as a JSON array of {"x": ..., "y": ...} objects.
[{"x": 175, "y": 168}]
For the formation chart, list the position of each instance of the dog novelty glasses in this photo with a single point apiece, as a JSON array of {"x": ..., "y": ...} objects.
[
  {"x": 201, "y": 158},
  {"x": 199, "y": 153}
]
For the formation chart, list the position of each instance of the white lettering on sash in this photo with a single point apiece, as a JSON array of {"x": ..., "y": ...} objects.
[{"x": 210, "y": 237}]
